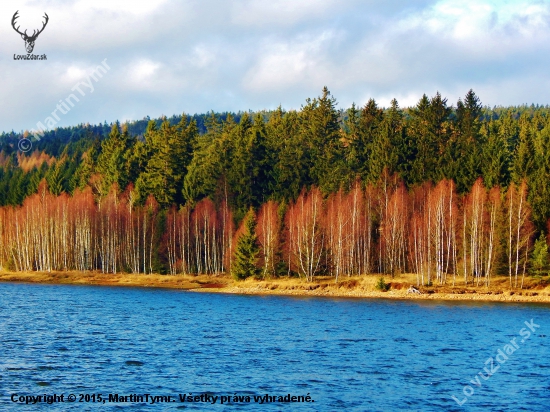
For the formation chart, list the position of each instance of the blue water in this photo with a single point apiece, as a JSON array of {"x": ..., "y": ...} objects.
[{"x": 347, "y": 354}]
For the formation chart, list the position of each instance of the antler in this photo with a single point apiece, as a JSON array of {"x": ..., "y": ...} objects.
[
  {"x": 15, "y": 16},
  {"x": 34, "y": 33},
  {"x": 42, "y": 29}
]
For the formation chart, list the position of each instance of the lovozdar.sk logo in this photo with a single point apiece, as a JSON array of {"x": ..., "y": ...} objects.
[{"x": 29, "y": 40}]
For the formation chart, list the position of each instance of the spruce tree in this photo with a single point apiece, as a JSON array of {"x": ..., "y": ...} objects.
[
  {"x": 321, "y": 131},
  {"x": 523, "y": 163},
  {"x": 210, "y": 160},
  {"x": 539, "y": 190},
  {"x": 86, "y": 167},
  {"x": 54, "y": 177},
  {"x": 111, "y": 163},
  {"x": 289, "y": 155},
  {"x": 462, "y": 153},
  {"x": 539, "y": 259},
  {"x": 495, "y": 165},
  {"x": 247, "y": 250},
  {"x": 239, "y": 174},
  {"x": 363, "y": 129},
  {"x": 386, "y": 146},
  {"x": 35, "y": 176},
  {"x": 160, "y": 177},
  {"x": 428, "y": 134},
  {"x": 250, "y": 169}
]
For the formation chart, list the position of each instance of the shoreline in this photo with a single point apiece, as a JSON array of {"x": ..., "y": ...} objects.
[
  {"x": 392, "y": 295},
  {"x": 353, "y": 287}
]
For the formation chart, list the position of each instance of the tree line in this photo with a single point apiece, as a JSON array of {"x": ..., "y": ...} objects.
[
  {"x": 384, "y": 228},
  {"x": 451, "y": 191}
]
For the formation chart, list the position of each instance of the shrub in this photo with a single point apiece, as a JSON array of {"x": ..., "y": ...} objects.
[{"x": 382, "y": 285}]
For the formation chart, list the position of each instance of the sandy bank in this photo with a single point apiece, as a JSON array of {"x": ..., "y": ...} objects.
[{"x": 534, "y": 290}]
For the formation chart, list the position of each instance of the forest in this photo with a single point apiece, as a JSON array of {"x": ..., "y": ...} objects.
[{"x": 452, "y": 193}]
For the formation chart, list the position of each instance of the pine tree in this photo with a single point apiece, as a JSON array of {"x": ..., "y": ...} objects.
[{"x": 245, "y": 262}]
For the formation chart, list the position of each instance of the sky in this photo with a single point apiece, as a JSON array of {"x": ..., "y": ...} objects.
[{"x": 164, "y": 57}]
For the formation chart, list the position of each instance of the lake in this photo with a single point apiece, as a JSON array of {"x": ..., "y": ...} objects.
[{"x": 113, "y": 344}]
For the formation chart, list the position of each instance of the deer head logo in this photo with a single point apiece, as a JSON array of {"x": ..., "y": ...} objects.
[{"x": 29, "y": 40}]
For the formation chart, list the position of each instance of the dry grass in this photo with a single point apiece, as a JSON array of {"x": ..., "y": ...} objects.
[
  {"x": 98, "y": 278},
  {"x": 365, "y": 286},
  {"x": 534, "y": 290}
]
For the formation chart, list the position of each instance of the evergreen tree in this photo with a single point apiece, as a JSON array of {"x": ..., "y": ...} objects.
[
  {"x": 238, "y": 175},
  {"x": 539, "y": 189},
  {"x": 212, "y": 156},
  {"x": 54, "y": 177},
  {"x": 261, "y": 167},
  {"x": 87, "y": 166},
  {"x": 384, "y": 155},
  {"x": 168, "y": 153},
  {"x": 137, "y": 160},
  {"x": 16, "y": 189},
  {"x": 539, "y": 259},
  {"x": 363, "y": 129},
  {"x": 509, "y": 132},
  {"x": 461, "y": 158},
  {"x": 250, "y": 170},
  {"x": 321, "y": 131},
  {"x": 35, "y": 176},
  {"x": 428, "y": 134},
  {"x": 245, "y": 261},
  {"x": 288, "y": 152},
  {"x": 468, "y": 116},
  {"x": 524, "y": 161},
  {"x": 495, "y": 164},
  {"x": 112, "y": 162}
]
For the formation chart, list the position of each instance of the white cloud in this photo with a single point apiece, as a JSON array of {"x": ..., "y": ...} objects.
[
  {"x": 143, "y": 70},
  {"x": 285, "y": 64},
  {"x": 470, "y": 20},
  {"x": 278, "y": 12},
  {"x": 168, "y": 56},
  {"x": 74, "y": 74},
  {"x": 119, "y": 6},
  {"x": 202, "y": 56}
]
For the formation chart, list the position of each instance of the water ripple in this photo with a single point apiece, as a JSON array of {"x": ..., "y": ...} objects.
[{"x": 350, "y": 354}]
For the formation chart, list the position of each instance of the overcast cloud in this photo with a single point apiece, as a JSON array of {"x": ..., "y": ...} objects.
[{"x": 168, "y": 57}]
